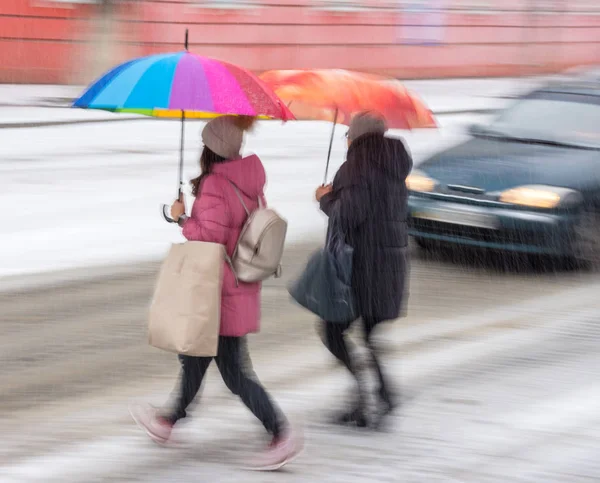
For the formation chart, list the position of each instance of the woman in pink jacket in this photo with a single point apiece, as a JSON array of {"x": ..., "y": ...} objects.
[{"x": 218, "y": 216}]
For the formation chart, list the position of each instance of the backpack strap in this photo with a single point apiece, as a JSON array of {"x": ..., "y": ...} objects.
[{"x": 239, "y": 195}]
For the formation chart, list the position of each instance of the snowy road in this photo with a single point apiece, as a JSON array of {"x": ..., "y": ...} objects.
[
  {"x": 499, "y": 366},
  {"x": 499, "y": 369},
  {"x": 494, "y": 391}
]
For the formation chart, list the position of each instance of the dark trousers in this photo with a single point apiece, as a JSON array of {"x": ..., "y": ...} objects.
[
  {"x": 233, "y": 361},
  {"x": 337, "y": 343}
]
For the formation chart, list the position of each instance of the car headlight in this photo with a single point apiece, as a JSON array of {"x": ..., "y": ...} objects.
[
  {"x": 538, "y": 196},
  {"x": 419, "y": 181}
]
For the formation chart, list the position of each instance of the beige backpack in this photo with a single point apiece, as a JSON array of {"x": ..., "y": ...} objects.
[{"x": 259, "y": 249}]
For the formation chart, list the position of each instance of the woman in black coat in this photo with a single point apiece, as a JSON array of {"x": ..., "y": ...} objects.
[{"x": 370, "y": 196}]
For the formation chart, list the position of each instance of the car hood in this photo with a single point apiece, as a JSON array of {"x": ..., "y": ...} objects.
[{"x": 496, "y": 165}]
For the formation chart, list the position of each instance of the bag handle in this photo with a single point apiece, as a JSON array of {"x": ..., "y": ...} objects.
[{"x": 335, "y": 234}]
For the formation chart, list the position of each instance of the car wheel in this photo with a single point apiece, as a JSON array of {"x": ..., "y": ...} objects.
[{"x": 586, "y": 246}]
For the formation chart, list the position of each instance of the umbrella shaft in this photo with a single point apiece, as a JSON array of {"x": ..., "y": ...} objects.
[
  {"x": 330, "y": 146},
  {"x": 181, "y": 147}
]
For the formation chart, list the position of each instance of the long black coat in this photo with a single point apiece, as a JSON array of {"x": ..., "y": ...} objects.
[{"x": 370, "y": 193}]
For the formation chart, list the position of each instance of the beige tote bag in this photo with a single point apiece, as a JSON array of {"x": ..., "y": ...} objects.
[{"x": 185, "y": 315}]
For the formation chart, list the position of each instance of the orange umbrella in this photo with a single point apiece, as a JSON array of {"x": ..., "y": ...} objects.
[
  {"x": 318, "y": 94},
  {"x": 336, "y": 95}
]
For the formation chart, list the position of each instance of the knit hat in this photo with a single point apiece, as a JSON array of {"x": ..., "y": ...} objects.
[
  {"x": 367, "y": 122},
  {"x": 224, "y": 136}
]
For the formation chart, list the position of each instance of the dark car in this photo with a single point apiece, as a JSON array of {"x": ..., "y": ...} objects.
[{"x": 529, "y": 182}]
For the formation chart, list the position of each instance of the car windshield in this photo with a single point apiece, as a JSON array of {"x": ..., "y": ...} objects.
[{"x": 554, "y": 118}]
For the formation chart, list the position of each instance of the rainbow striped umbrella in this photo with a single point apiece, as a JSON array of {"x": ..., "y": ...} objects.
[
  {"x": 168, "y": 85},
  {"x": 183, "y": 85}
]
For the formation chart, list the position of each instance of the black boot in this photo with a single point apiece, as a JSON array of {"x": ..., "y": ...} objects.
[
  {"x": 389, "y": 401},
  {"x": 355, "y": 417},
  {"x": 359, "y": 407},
  {"x": 386, "y": 405}
]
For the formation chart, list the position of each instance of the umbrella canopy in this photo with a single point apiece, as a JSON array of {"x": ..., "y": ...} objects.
[
  {"x": 336, "y": 95},
  {"x": 166, "y": 85}
]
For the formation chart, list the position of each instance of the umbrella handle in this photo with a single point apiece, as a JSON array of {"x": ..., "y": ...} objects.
[
  {"x": 166, "y": 215},
  {"x": 330, "y": 146}
]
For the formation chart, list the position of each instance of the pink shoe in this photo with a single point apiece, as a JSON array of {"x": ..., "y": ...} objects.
[
  {"x": 281, "y": 451},
  {"x": 148, "y": 419}
]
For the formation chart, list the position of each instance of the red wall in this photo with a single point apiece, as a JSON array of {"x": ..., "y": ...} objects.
[{"x": 46, "y": 42}]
